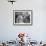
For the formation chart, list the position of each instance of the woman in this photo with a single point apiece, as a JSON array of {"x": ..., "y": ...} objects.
[{"x": 19, "y": 19}]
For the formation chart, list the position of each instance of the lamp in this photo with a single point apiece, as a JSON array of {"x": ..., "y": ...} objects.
[{"x": 12, "y": 1}]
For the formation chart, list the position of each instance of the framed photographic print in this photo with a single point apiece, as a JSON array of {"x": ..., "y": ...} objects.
[{"x": 22, "y": 17}]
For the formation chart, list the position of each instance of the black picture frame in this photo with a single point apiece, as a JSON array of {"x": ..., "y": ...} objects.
[{"x": 27, "y": 16}]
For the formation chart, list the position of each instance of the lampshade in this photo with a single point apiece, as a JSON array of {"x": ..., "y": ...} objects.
[{"x": 11, "y": 0}]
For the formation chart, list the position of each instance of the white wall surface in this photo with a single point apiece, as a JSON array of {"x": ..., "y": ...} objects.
[{"x": 38, "y": 30}]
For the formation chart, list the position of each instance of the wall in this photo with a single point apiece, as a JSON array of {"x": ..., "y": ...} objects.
[{"x": 37, "y": 31}]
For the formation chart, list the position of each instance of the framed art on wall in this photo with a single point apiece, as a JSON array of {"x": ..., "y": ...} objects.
[{"x": 22, "y": 17}]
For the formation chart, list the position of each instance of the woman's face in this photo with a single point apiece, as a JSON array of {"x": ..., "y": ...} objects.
[{"x": 20, "y": 19}]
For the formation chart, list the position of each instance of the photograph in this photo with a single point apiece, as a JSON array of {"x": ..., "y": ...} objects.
[{"x": 22, "y": 17}]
